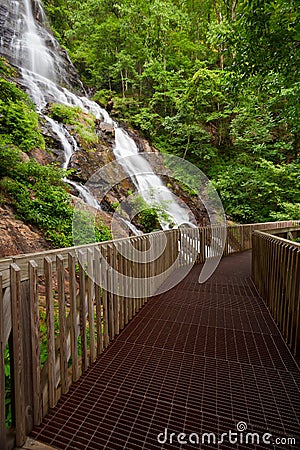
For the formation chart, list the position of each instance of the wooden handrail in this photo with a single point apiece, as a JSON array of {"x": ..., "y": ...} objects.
[
  {"x": 276, "y": 274},
  {"x": 85, "y": 303}
]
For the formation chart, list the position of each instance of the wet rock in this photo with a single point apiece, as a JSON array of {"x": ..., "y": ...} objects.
[
  {"x": 42, "y": 156},
  {"x": 142, "y": 144},
  {"x": 86, "y": 162},
  {"x": 107, "y": 128},
  {"x": 86, "y": 165}
]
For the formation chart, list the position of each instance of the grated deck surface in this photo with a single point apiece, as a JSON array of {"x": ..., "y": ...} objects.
[{"x": 196, "y": 359}]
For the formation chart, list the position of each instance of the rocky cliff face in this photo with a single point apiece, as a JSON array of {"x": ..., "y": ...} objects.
[
  {"x": 17, "y": 237},
  {"x": 89, "y": 158}
]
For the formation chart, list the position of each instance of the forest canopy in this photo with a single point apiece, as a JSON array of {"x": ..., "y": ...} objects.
[{"x": 213, "y": 81}]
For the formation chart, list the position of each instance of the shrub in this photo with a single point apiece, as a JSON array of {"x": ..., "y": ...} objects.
[
  {"x": 65, "y": 114},
  {"x": 18, "y": 119},
  {"x": 82, "y": 123},
  {"x": 9, "y": 157}
]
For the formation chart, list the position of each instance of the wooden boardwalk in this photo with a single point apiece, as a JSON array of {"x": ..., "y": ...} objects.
[{"x": 196, "y": 359}]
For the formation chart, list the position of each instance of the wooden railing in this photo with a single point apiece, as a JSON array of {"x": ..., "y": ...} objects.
[
  {"x": 276, "y": 274},
  {"x": 60, "y": 309},
  {"x": 289, "y": 233}
]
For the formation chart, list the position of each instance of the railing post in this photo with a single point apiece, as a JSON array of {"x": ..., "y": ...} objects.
[
  {"x": 289, "y": 309},
  {"x": 73, "y": 316},
  {"x": 120, "y": 260},
  {"x": 287, "y": 298},
  {"x": 276, "y": 250},
  {"x": 138, "y": 273},
  {"x": 125, "y": 290},
  {"x": 2, "y": 372},
  {"x": 104, "y": 280},
  {"x": 98, "y": 300},
  {"x": 110, "y": 295},
  {"x": 18, "y": 359},
  {"x": 90, "y": 303},
  {"x": 82, "y": 296},
  {"x": 134, "y": 282},
  {"x": 296, "y": 308},
  {"x": 50, "y": 332},
  {"x": 145, "y": 271},
  {"x": 62, "y": 324},
  {"x": 115, "y": 294},
  {"x": 35, "y": 343},
  {"x": 131, "y": 299}
]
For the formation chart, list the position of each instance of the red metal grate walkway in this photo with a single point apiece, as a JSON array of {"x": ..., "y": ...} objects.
[{"x": 196, "y": 359}]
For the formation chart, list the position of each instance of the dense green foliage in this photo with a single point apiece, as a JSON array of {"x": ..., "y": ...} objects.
[
  {"x": 83, "y": 123},
  {"x": 18, "y": 120},
  {"x": 149, "y": 217},
  {"x": 213, "y": 81},
  {"x": 37, "y": 193}
]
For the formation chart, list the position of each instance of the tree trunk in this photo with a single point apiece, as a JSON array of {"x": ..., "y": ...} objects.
[
  {"x": 233, "y": 8},
  {"x": 126, "y": 80},
  {"x": 123, "y": 84},
  {"x": 220, "y": 20},
  {"x": 141, "y": 82},
  {"x": 187, "y": 146}
]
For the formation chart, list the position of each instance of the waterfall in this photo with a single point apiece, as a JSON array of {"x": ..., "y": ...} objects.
[
  {"x": 69, "y": 145},
  {"x": 146, "y": 181},
  {"x": 45, "y": 72},
  {"x": 35, "y": 56},
  {"x": 131, "y": 227},
  {"x": 84, "y": 194}
]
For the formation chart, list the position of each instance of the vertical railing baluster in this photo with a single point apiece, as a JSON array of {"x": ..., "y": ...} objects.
[
  {"x": 2, "y": 372},
  {"x": 104, "y": 283},
  {"x": 82, "y": 297},
  {"x": 50, "y": 332},
  {"x": 60, "y": 272},
  {"x": 296, "y": 308},
  {"x": 18, "y": 357},
  {"x": 35, "y": 343},
  {"x": 116, "y": 296},
  {"x": 90, "y": 302},
  {"x": 98, "y": 301},
  {"x": 73, "y": 316}
]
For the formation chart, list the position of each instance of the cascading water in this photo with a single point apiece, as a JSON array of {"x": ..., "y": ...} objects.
[
  {"x": 40, "y": 70},
  {"x": 35, "y": 56},
  {"x": 43, "y": 68},
  {"x": 147, "y": 182},
  {"x": 68, "y": 142},
  {"x": 69, "y": 145}
]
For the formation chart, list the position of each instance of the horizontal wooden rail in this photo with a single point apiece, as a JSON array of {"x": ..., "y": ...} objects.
[
  {"x": 289, "y": 233},
  {"x": 276, "y": 274},
  {"x": 60, "y": 309}
]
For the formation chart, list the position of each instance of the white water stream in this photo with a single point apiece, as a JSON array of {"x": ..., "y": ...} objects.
[{"x": 41, "y": 69}]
